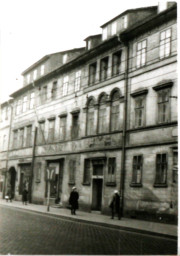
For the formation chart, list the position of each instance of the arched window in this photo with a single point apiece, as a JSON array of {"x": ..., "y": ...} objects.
[
  {"x": 115, "y": 111},
  {"x": 90, "y": 118},
  {"x": 102, "y": 115}
]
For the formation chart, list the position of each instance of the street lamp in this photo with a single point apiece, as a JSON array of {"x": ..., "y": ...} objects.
[{"x": 50, "y": 173}]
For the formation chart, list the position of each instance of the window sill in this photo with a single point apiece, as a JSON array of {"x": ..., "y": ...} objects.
[
  {"x": 136, "y": 185},
  {"x": 156, "y": 185},
  {"x": 111, "y": 184},
  {"x": 86, "y": 183}
]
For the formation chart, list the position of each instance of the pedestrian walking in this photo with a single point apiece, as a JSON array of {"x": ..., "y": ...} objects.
[
  {"x": 115, "y": 205},
  {"x": 24, "y": 196},
  {"x": 73, "y": 200},
  {"x": 8, "y": 196}
]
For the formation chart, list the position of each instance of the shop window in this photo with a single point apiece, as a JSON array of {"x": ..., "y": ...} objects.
[
  {"x": 72, "y": 172},
  {"x": 87, "y": 172},
  {"x": 141, "y": 54},
  {"x": 137, "y": 169},
  {"x": 104, "y": 68},
  {"x": 116, "y": 61},
  {"x": 92, "y": 73},
  {"x": 161, "y": 170},
  {"x": 165, "y": 43}
]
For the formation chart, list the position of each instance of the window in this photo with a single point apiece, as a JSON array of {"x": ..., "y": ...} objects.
[
  {"x": 104, "y": 68},
  {"x": 75, "y": 126},
  {"x": 72, "y": 171},
  {"x": 90, "y": 118},
  {"x": 92, "y": 73},
  {"x": 125, "y": 21},
  {"x": 24, "y": 103},
  {"x": 35, "y": 74},
  {"x": 77, "y": 81},
  {"x": 116, "y": 61},
  {"x": 43, "y": 94},
  {"x": 165, "y": 43},
  {"x": 18, "y": 107},
  {"x": 41, "y": 132},
  {"x": 89, "y": 45},
  {"x": 141, "y": 54},
  {"x": 102, "y": 115},
  {"x": 4, "y": 142},
  {"x": 139, "y": 111},
  {"x": 64, "y": 58},
  {"x": 163, "y": 106},
  {"x": 175, "y": 166},
  {"x": 111, "y": 171},
  {"x": 54, "y": 90},
  {"x": 87, "y": 171},
  {"x": 29, "y": 136},
  {"x": 63, "y": 124},
  {"x": 115, "y": 111},
  {"x": 42, "y": 70},
  {"x": 51, "y": 130},
  {"x": 21, "y": 137},
  {"x": 6, "y": 113},
  {"x": 65, "y": 85},
  {"x": 38, "y": 172},
  {"x": 28, "y": 78},
  {"x": 161, "y": 170},
  {"x": 137, "y": 170},
  {"x": 31, "y": 105},
  {"x": 15, "y": 136},
  {"x": 104, "y": 33},
  {"x": 114, "y": 28}
]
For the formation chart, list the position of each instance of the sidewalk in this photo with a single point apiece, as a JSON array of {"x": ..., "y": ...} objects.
[{"x": 124, "y": 223}]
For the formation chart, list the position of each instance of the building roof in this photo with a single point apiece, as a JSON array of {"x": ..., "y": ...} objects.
[
  {"x": 93, "y": 36},
  {"x": 47, "y": 57},
  {"x": 128, "y": 11}
]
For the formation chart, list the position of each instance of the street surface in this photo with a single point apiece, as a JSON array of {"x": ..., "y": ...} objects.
[{"x": 23, "y": 232}]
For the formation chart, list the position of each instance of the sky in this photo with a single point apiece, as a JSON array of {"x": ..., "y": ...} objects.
[{"x": 31, "y": 29}]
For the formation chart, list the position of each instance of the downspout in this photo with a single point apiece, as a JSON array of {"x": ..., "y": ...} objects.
[
  {"x": 32, "y": 165},
  {"x": 123, "y": 156},
  {"x": 7, "y": 155}
]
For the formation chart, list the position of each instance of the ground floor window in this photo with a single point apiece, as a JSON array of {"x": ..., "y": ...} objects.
[{"x": 137, "y": 170}]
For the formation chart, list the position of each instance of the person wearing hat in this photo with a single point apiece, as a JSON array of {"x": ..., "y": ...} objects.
[
  {"x": 115, "y": 205},
  {"x": 73, "y": 200}
]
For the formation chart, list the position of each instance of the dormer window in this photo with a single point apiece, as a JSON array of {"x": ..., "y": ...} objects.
[
  {"x": 35, "y": 74},
  {"x": 104, "y": 34},
  {"x": 162, "y": 6},
  {"x": 28, "y": 78},
  {"x": 64, "y": 58},
  {"x": 114, "y": 28},
  {"x": 125, "y": 21},
  {"x": 89, "y": 45},
  {"x": 42, "y": 70}
]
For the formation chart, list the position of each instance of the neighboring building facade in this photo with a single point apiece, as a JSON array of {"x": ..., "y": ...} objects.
[{"x": 105, "y": 120}]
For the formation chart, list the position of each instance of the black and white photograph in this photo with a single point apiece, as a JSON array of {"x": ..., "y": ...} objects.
[{"x": 88, "y": 127}]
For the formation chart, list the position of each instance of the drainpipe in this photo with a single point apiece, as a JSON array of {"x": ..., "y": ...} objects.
[
  {"x": 32, "y": 165},
  {"x": 123, "y": 157},
  {"x": 7, "y": 155}
]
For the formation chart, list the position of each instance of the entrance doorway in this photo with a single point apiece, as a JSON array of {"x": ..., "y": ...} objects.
[
  {"x": 97, "y": 194},
  {"x": 12, "y": 180}
]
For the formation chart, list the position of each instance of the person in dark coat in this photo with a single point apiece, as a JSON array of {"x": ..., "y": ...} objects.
[
  {"x": 115, "y": 205},
  {"x": 24, "y": 196},
  {"x": 73, "y": 200}
]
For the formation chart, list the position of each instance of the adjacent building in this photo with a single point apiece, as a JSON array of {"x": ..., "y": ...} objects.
[{"x": 102, "y": 118}]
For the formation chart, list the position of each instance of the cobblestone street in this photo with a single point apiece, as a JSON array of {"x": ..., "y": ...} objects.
[{"x": 23, "y": 232}]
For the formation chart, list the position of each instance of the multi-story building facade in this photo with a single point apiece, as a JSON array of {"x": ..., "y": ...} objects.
[{"x": 104, "y": 120}]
